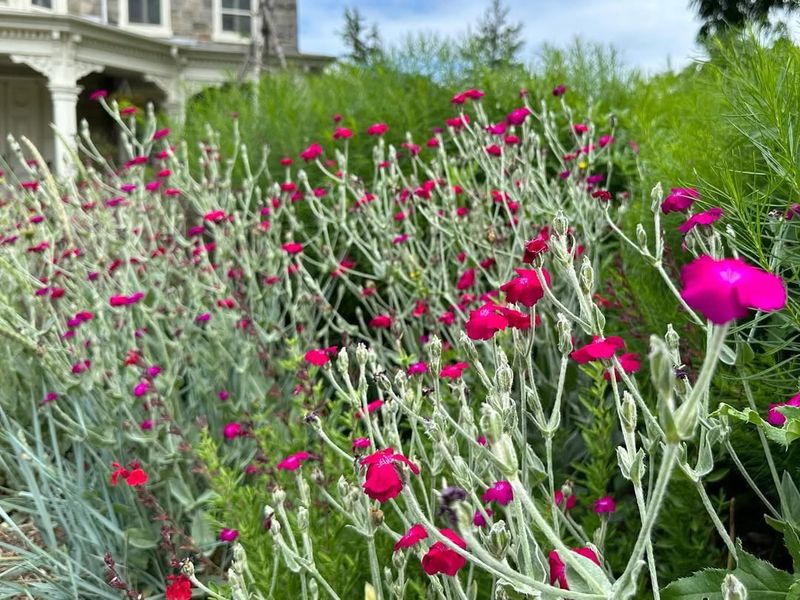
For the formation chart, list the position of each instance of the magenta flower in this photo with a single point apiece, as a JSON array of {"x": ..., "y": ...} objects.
[
  {"x": 342, "y": 133},
  {"x": 705, "y": 219},
  {"x": 413, "y": 536},
  {"x": 382, "y": 480},
  {"x": 371, "y": 408},
  {"x": 500, "y": 492},
  {"x": 467, "y": 280},
  {"x": 377, "y": 129},
  {"x": 599, "y": 348},
  {"x": 724, "y": 290},
  {"x": 292, "y": 247},
  {"x": 630, "y": 364},
  {"x": 559, "y": 90},
  {"x": 453, "y": 371},
  {"x": 293, "y": 461},
  {"x": 776, "y": 418},
  {"x": 558, "y": 570},
  {"x": 360, "y": 443},
  {"x": 605, "y": 505},
  {"x": 477, "y": 518},
  {"x": 312, "y": 152},
  {"x": 141, "y": 388},
  {"x": 484, "y": 322},
  {"x": 518, "y": 116},
  {"x": 232, "y": 430},
  {"x": 381, "y": 322},
  {"x": 526, "y": 288},
  {"x": 679, "y": 200},
  {"x": 558, "y": 498},
  {"x": 417, "y": 368},
  {"x": 316, "y": 357},
  {"x": 228, "y": 535}
]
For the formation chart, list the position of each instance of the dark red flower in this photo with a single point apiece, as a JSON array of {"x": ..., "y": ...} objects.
[
  {"x": 382, "y": 480},
  {"x": 441, "y": 559}
]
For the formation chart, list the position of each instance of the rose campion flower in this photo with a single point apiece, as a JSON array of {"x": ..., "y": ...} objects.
[
  {"x": 360, "y": 443},
  {"x": 679, "y": 200},
  {"x": 605, "y": 139},
  {"x": 228, "y": 535},
  {"x": 312, "y": 152},
  {"x": 141, "y": 388},
  {"x": 559, "y": 90},
  {"x": 518, "y": 116},
  {"x": 494, "y": 150},
  {"x": 381, "y": 322},
  {"x": 630, "y": 364},
  {"x": 477, "y": 518},
  {"x": 293, "y": 461},
  {"x": 777, "y": 419},
  {"x": 317, "y": 357},
  {"x": 377, "y": 129},
  {"x": 97, "y": 94},
  {"x": 412, "y": 537},
  {"x": 526, "y": 288},
  {"x": 706, "y": 218},
  {"x": 484, "y": 322},
  {"x": 605, "y": 505},
  {"x": 179, "y": 588},
  {"x": 534, "y": 248},
  {"x": 232, "y": 430},
  {"x": 161, "y": 133},
  {"x": 342, "y": 133},
  {"x": 558, "y": 498},
  {"x": 558, "y": 570},
  {"x": 382, "y": 480},
  {"x": 467, "y": 280},
  {"x": 500, "y": 492},
  {"x": 441, "y": 559},
  {"x": 599, "y": 348},
  {"x": 292, "y": 248},
  {"x": 453, "y": 371},
  {"x": 417, "y": 368},
  {"x": 724, "y": 290},
  {"x": 371, "y": 408}
]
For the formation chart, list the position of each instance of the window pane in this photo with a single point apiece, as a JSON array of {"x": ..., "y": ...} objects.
[
  {"x": 243, "y": 25},
  {"x": 154, "y": 12},
  {"x": 244, "y": 5},
  {"x": 43, "y": 3},
  {"x": 227, "y": 23},
  {"x": 135, "y": 11}
]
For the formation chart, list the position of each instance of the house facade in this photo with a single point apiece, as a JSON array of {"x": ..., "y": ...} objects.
[{"x": 55, "y": 53}]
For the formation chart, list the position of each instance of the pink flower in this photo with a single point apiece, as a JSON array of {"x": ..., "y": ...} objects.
[
  {"x": 179, "y": 588},
  {"x": 161, "y": 133},
  {"x": 453, "y": 371},
  {"x": 580, "y": 128},
  {"x": 312, "y": 152},
  {"x": 417, "y": 368},
  {"x": 599, "y": 348},
  {"x": 342, "y": 133},
  {"x": 317, "y": 357},
  {"x": 558, "y": 570},
  {"x": 128, "y": 111},
  {"x": 559, "y": 90},
  {"x": 494, "y": 150},
  {"x": 605, "y": 505},
  {"x": 724, "y": 290},
  {"x": 97, "y": 94},
  {"x": 467, "y": 280},
  {"x": 441, "y": 559},
  {"x": 232, "y": 430},
  {"x": 526, "y": 289},
  {"x": 679, "y": 200},
  {"x": 484, "y": 322},
  {"x": 381, "y": 322},
  {"x": 774, "y": 417},
  {"x": 293, "y": 461},
  {"x": 477, "y": 518},
  {"x": 518, "y": 116},
  {"x": 413, "y": 536},
  {"x": 141, "y": 388},
  {"x": 377, "y": 129},
  {"x": 630, "y": 364},
  {"x": 703, "y": 218},
  {"x": 146, "y": 425},
  {"x": 382, "y": 480},
  {"x": 214, "y": 216},
  {"x": 605, "y": 139},
  {"x": 360, "y": 443},
  {"x": 558, "y": 498},
  {"x": 125, "y": 300},
  {"x": 371, "y": 408},
  {"x": 500, "y": 492},
  {"x": 292, "y": 248},
  {"x": 228, "y": 535}
]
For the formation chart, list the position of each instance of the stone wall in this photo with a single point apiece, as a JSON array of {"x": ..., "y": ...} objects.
[{"x": 193, "y": 19}]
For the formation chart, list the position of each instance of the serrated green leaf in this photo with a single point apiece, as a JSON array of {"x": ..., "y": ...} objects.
[
  {"x": 784, "y": 435},
  {"x": 762, "y": 580}
]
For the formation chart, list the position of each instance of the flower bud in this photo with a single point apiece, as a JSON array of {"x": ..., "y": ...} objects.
[
  {"x": 278, "y": 495},
  {"x": 187, "y": 568},
  {"x": 239, "y": 558},
  {"x": 343, "y": 361},
  {"x": 376, "y": 517},
  {"x": 628, "y": 413},
  {"x": 673, "y": 339},
  {"x": 399, "y": 560},
  {"x": 564, "y": 334},
  {"x": 361, "y": 355},
  {"x": 587, "y": 275},
  {"x": 498, "y": 539},
  {"x": 505, "y": 378},
  {"x": 656, "y": 197},
  {"x": 733, "y": 589},
  {"x": 468, "y": 346},
  {"x": 313, "y": 589},
  {"x": 461, "y": 472},
  {"x": 560, "y": 223},
  {"x": 641, "y": 236},
  {"x": 435, "y": 350},
  {"x": 302, "y": 518},
  {"x": 599, "y": 318}
]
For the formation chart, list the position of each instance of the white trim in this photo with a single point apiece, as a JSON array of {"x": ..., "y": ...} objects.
[
  {"x": 164, "y": 29},
  {"x": 218, "y": 35}
]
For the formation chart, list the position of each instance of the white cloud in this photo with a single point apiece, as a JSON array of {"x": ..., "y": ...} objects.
[{"x": 648, "y": 32}]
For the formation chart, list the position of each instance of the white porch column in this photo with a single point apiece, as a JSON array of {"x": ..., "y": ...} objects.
[{"x": 65, "y": 120}]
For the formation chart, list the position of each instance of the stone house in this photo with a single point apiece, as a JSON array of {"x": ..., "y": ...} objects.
[{"x": 55, "y": 53}]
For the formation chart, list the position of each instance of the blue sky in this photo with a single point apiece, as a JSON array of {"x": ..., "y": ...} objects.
[{"x": 649, "y": 33}]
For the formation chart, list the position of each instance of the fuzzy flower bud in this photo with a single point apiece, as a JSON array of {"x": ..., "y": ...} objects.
[
  {"x": 564, "y": 334},
  {"x": 673, "y": 339},
  {"x": 656, "y": 197},
  {"x": 343, "y": 361},
  {"x": 362, "y": 354},
  {"x": 560, "y": 223},
  {"x": 498, "y": 539},
  {"x": 641, "y": 236},
  {"x": 435, "y": 351},
  {"x": 505, "y": 378},
  {"x": 587, "y": 275},
  {"x": 628, "y": 413},
  {"x": 279, "y": 495}
]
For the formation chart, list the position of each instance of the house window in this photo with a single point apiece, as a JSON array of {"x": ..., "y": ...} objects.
[
  {"x": 236, "y": 17},
  {"x": 144, "y": 12},
  {"x": 43, "y": 3}
]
